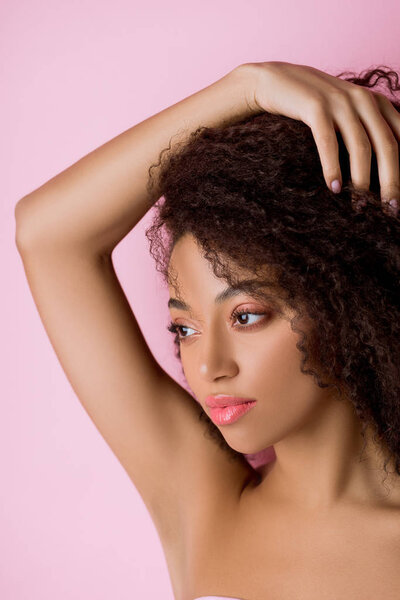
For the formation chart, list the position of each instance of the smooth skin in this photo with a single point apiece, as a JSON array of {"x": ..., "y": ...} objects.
[
  {"x": 66, "y": 232},
  {"x": 316, "y": 437},
  {"x": 319, "y": 521}
]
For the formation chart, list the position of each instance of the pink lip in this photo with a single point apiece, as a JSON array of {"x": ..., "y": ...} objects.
[
  {"x": 225, "y": 409},
  {"x": 223, "y": 400},
  {"x": 230, "y": 414}
]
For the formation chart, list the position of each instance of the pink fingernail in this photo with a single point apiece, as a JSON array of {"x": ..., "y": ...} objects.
[
  {"x": 335, "y": 185},
  {"x": 394, "y": 206}
]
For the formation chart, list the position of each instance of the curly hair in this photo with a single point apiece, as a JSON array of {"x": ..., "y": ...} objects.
[{"x": 253, "y": 195}]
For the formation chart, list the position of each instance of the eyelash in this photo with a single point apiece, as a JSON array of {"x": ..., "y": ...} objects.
[{"x": 174, "y": 328}]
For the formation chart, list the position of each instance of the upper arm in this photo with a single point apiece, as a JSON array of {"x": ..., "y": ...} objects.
[{"x": 149, "y": 421}]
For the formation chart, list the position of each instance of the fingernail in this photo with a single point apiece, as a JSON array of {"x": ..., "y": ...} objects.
[
  {"x": 335, "y": 186},
  {"x": 394, "y": 206}
]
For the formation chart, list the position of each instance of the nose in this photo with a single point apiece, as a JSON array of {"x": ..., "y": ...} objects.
[{"x": 217, "y": 355}]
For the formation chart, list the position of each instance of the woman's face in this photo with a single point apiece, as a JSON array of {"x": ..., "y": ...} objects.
[{"x": 251, "y": 356}]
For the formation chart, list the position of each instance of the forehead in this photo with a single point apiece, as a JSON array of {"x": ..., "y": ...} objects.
[
  {"x": 188, "y": 268},
  {"x": 186, "y": 243},
  {"x": 191, "y": 278}
]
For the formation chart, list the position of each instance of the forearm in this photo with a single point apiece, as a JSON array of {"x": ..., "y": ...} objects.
[{"x": 95, "y": 202}]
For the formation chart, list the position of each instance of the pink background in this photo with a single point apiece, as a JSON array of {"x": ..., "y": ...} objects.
[{"x": 74, "y": 75}]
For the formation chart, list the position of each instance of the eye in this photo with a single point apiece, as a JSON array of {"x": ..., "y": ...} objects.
[
  {"x": 177, "y": 329},
  {"x": 237, "y": 314}
]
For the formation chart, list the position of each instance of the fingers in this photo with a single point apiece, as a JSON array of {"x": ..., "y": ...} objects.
[
  {"x": 392, "y": 117},
  {"x": 364, "y": 128},
  {"x": 356, "y": 141},
  {"x": 383, "y": 141},
  {"x": 322, "y": 127},
  {"x": 366, "y": 121}
]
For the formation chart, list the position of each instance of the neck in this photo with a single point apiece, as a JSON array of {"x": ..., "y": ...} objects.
[{"x": 327, "y": 462}]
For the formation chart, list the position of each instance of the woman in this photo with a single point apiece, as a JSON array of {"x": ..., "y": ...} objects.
[{"x": 254, "y": 231}]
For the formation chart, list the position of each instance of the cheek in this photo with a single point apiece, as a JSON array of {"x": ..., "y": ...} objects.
[{"x": 276, "y": 377}]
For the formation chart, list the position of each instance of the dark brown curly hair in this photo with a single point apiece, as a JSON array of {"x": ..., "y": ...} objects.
[{"x": 253, "y": 195}]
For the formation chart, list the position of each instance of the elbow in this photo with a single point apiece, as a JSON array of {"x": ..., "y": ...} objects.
[
  {"x": 18, "y": 211},
  {"x": 23, "y": 227}
]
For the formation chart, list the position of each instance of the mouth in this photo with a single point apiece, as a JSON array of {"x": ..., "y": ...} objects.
[
  {"x": 224, "y": 400},
  {"x": 225, "y": 415}
]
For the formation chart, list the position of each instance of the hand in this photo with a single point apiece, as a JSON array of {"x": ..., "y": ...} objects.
[{"x": 326, "y": 104}]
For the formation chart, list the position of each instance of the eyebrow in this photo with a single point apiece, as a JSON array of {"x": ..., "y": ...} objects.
[{"x": 227, "y": 293}]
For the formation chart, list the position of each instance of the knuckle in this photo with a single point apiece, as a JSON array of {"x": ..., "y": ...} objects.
[
  {"x": 326, "y": 140},
  {"x": 361, "y": 93},
  {"x": 364, "y": 146},
  {"x": 342, "y": 103},
  {"x": 364, "y": 149},
  {"x": 339, "y": 97},
  {"x": 317, "y": 113},
  {"x": 390, "y": 145},
  {"x": 317, "y": 103}
]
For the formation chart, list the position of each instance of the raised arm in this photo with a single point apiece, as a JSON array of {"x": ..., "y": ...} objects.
[
  {"x": 95, "y": 202},
  {"x": 66, "y": 231}
]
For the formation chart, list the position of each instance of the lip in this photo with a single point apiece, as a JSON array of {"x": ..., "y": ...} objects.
[
  {"x": 229, "y": 414},
  {"x": 223, "y": 400}
]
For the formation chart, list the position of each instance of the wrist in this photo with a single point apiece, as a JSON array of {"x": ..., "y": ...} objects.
[{"x": 249, "y": 74}]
